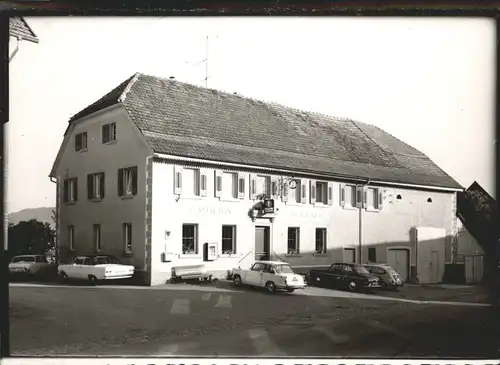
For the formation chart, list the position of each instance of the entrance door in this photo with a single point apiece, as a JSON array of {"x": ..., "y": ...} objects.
[
  {"x": 398, "y": 259},
  {"x": 434, "y": 267},
  {"x": 262, "y": 243},
  {"x": 349, "y": 255}
]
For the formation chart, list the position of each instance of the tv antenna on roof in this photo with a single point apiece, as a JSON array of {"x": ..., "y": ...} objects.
[{"x": 205, "y": 60}]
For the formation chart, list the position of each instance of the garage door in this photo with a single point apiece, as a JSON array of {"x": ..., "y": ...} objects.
[{"x": 398, "y": 259}]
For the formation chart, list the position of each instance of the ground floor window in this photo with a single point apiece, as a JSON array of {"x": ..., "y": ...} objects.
[
  {"x": 320, "y": 240},
  {"x": 228, "y": 240},
  {"x": 97, "y": 237},
  {"x": 189, "y": 239},
  {"x": 372, "y": 254},
  {"x": 293, "y": 240},
  {"x": 127, "y": 237},
  {"x": 350, "y": 255},
  {"x": 71, "y": 238}
]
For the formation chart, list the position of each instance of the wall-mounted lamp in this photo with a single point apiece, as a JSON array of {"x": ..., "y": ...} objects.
[{"x": 167, "y": 234}]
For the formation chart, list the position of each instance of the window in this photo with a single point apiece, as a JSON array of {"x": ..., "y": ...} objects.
[
  {"x": 296, "y": 194},
  {"x": 320, "y": 240},
  {"x": 81, "y": 141},
  {"x": 97, "y": 237},
  {"x": 230, "y": 185},
  {"x": 191, "y": 183},
  {"x": 293, "y": 240},
  {"x": 95, "y": 186},
  {"x": 258, "y": 267},
  {"x": 79, "y": 261},
  {"x": 71, "y": 238},
  {"x": 127, "y": 181},
  {"x": 347, "y": 268},
  {"x": 372, "y": 254},
  {"x": 71, "y": 190},
  {"x": 228, "y": 240},
  {"x": 87, "y": 261},
  {"x": 109, "y": 132},
  {"x": 263, "y": 185},
  {"x": 127, "y": 237},
  {"x": 350, "y": 195},
  {"x": 321, "y": 192},
  {"x": 372, "y": 198},
  {"x": 189, "y": 239}
]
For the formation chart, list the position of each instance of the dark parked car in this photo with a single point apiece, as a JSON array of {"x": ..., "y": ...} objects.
[
  {"x": 344, "y": 276},
  {"x": 389, "y": 278}
]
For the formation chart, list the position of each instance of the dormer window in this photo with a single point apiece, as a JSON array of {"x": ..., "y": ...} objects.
[
  {"x": 81, "y": 141},
  {"x": 109, "y": 133}
]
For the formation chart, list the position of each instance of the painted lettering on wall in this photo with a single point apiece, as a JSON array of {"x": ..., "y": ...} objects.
[
  {"x": 305, "y": 215},
  {"x": 209, "y": 210}
]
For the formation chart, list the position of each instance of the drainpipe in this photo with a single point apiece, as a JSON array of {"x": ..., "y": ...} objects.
[
  {"x": 360, "y": 254},
  {"x": 56, "y": 245},
  {"x": 15, "y": 50}
]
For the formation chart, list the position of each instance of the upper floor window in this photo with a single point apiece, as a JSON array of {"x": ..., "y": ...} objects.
[
  {"x": 348, "y": 195},
  {"x": 321, "y": 192},
  {"x": 263, "y": 185},
  {"x": 295, "y": 195},
  {"x": 127, "y": 181},
  {"x": 81, "y": 141},
  {"x": 190, "y": 182},
  {"x": 372, "y": 198},
  {"x": 70, "y": 190},
  {"x": 109, "y": 132},
  {"x": 95, "y": 186},
  {"x": 229, "y": 185}
]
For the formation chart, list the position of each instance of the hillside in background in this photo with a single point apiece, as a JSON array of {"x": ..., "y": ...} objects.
[{"x": 43, "y": 214}]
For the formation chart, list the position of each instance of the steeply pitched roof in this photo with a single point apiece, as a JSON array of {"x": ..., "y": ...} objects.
[
  {"x": 18, "y": 28},
  {"x": 185, "y": 120}
]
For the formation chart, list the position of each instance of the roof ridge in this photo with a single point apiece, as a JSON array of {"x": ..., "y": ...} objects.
[{"x": 131, "y": 83}]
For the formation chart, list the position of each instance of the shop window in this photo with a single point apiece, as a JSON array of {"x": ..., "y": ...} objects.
[
  {"x": 189, "y": 239},
  {"x": 228, "y": 240},
  {"x": 320, "y": 240}
]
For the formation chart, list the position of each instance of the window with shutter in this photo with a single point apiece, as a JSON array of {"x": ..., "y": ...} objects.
[
  {"x": 312, "y": 191},
  {"x": 81, "y": 141},
  {"x": 127, "y": 237},
  {"x": 330, "y": 193},
  {"x": 359, "y": 197},
  {"x": 274, "y": 187},
  {"x": 253, "y": 187},
  {"x": 303, "y": 189},
  {"x": 342, "y": 197},
  {"x": 241, "y": 186},
  {"x": 218, "y": 184},
  {"x": 380, "y": 199},
  {"x": 95, "y": 186},
  {"x": 203, "y": 182},
  {"x": 105, "y": 133},
  {"x": 127, "y": 181},
  {"x": 71, "y": 190},
  {"x": 178, "y": 179},
  {"x": 109, "y": 132}
]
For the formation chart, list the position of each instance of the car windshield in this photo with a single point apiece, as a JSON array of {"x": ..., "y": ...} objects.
[
  {"x": 23, "y": 259},
  {"x": 103, "y": 260},
  {"x": 283, "y": 269},
  {"x": 361, "y": 270}
]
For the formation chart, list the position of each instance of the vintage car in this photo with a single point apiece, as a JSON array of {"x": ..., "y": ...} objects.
[
  {"x": 271, "y": 275},
  {"x": 344, "y": 276},
  {"x": 94, "y": 268},
  {"x": 389, "y": 278},
  {"x": 30, "y": 265}
]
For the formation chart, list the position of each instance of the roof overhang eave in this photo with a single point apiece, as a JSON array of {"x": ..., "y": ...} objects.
[{"x": 359, "y": 179}]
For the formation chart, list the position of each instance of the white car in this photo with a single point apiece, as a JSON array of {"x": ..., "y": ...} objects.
[
  {"x": 32, "y": 265},
  {"x": 94, "y": 268},
  {"x": 272, "y": 275}
]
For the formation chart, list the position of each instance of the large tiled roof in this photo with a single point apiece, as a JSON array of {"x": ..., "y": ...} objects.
[
  {"x": 20, "y": 29},
  {"x": 185, "y": 120}
]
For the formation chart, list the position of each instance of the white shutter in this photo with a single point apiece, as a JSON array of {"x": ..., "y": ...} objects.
[
  {"x": 218, "y": 183},
  {"x": 241, "y": 185},
  {"x": 359, "y": 196},
  {"x": 177, "y": 179},
  {"x": 203, "y": 182},
  {"x": 365, "y": 197},
  {"x": 380, "y": 199},
  {"x": 253, "y": 186},
  {"x": 342, "y": 195},
  {"x": 303, "y": 191},
  {"x": 330, "y": 193},
  {"x": 312, "y": 191},
  {"x": 274, "y": 187},
  {"x": 284, "y": 193}
]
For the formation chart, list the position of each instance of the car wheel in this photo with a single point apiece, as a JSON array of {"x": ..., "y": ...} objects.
[
  {"x": 92, "y": 280},
  {"x": 352, "y": 286},
  {"x": 271, "y": 287},
  {"x": 237, "y": 280},
  {"x": 64, "y": 277}
]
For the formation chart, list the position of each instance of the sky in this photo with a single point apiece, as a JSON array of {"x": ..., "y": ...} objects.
[{"x": 428, "y": 81}]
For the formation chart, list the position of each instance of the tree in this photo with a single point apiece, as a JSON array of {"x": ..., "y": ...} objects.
[{"x": 30, "y": 237}]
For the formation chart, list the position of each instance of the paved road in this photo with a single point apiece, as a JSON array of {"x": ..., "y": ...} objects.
[{"x": 186, "y": 320}]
